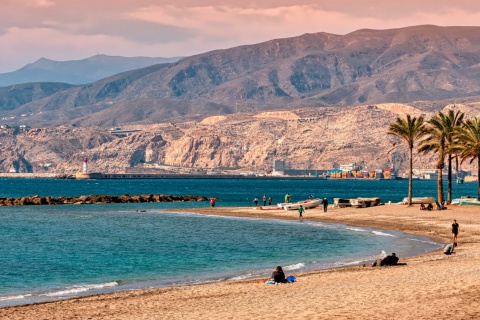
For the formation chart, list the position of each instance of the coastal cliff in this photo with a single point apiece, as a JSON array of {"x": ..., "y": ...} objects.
[{"x": 307, "y": 138}]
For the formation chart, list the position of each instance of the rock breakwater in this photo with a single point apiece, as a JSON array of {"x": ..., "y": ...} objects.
[{"x": 97, "y": 199}]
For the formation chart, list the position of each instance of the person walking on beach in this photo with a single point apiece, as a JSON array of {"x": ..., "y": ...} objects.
[
  {"x": 300, "y": 212},
  {"x": 269, "y": 201},
  {"x": 255, "y": 200},
  {"x": 325, "y": 204},
  {"x": 264, "y": 199},
  {"x": 212, "y": 202},
  {"x": 455, "y": 227}
]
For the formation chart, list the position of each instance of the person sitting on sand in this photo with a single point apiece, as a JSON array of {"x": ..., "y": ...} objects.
[
  {"x": 390, "y": 260},
  {"x": 278, "y": 276},
  {"x": 449, "y": 249},
  {"x": 422, "y": 207},
  {"x": 430, "y": 207}
]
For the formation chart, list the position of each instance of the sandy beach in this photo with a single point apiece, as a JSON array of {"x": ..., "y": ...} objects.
[{"x": 431, "y": 286}]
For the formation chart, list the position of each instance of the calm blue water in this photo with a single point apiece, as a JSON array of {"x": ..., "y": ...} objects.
[{"x": 54, "y": 252}]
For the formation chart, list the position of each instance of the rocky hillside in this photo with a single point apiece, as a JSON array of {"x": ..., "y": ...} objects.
[
  {"x": 314, "y": 138},
  {"x": 422, "y": 63}
]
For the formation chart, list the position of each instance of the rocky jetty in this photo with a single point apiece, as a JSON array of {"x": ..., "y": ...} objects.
[{"x": 97, "y": 199}]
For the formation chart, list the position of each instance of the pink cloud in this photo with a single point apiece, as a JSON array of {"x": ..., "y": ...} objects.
[{"x": 70, "y": 29}]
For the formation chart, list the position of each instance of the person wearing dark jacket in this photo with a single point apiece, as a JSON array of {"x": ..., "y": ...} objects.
[
  {"x": 278, "y": 276},
  {"x": 390, "y": 260}
]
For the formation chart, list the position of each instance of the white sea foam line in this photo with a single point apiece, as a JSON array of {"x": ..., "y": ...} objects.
[
  {"x": 423, "y": 241},
  {"x": 379, "y": 233},
  {"x": 78, "y": 289},
  {"x": 294, "y": 266},
  {"x": 16, "y": 297},
  {"x": 356, "y": 229},
  {"x": 246, "y": 276}
]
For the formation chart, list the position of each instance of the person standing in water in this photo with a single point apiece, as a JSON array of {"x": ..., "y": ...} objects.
[
  {"x": 264, "y": 199},
  {"x": 455, "y": 227}
]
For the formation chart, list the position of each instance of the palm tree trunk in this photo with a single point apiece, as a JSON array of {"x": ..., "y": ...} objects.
[
  {"x": 410, "y": 179},
  {"x": 440, "y": 166},
  {"x": 440, "y": 186},
  {"x": 449, "y": 194},
  {"x": 478, "y": 176}
]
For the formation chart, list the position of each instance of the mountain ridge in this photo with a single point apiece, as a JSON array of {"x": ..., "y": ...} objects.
[
  {"x": 78, "y": 72},
  {"x": 404, "y": 65}
]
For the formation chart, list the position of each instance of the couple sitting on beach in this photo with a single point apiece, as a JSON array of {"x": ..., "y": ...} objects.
[
  {"x": 391, "y": 260},
  {"x": 429, "y": 207},
  {"x": 278, "y": 276}
]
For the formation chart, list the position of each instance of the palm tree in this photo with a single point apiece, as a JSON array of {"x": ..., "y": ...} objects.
[
  {"x": 436, "y": 141},
  {"x": 468, "y": 144},
  {"x": 452, "y": 121},
  {"x": 409, "y": 130}
]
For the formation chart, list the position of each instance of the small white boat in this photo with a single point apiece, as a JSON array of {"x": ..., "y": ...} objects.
[
  {"x": 419, "y": 200},
  {"x": 465, "y": 201},
  {"x": 280, "y": 205},
  {"x": 307, "y": 204}
]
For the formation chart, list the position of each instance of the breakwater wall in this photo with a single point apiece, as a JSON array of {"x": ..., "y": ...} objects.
[
  {"x": 37, "y": 175},
  {"x": 99, "y": 175},
  {"x": 97, "y": 199}
]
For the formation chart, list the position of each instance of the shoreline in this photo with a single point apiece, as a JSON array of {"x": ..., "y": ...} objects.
[
  {"x": 298, "y": 267},
  {"x": 432, "y": 224}
]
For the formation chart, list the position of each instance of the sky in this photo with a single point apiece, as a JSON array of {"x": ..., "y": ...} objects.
[{"x": 77, "y": 29}]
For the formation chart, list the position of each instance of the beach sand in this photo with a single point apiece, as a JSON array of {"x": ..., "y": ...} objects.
[{"x": 430, "y": 286}]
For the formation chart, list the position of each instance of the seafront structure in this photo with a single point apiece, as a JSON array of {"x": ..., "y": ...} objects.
[
  {"x": 360, "y": 174},
  {"x": 85, "y": 174}
]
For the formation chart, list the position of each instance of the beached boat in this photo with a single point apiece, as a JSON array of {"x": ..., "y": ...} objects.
[
  {"x": 419, "y": 200},
  {"x": 357, "y": 203},
  {"x": 280, "y": 205},
  {"x": 307, "y": 204},
  {"x": 371, "y": 202},
  {"x": 466, "y": 201}
]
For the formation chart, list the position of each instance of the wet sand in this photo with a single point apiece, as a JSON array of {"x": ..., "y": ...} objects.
[{"x": 430, "y": 286}]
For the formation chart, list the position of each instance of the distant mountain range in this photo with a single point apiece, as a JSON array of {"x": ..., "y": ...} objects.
[
  {"x": 78, "y": 71},
  {"x": 365, "y": 67}
]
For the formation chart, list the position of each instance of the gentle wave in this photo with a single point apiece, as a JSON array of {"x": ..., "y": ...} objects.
[
  {"x": 16, "y": 297},
  {"x": 73, "y": 290},
  {"x": 422, "y": 241},
  {"x": 379, "y": 233},
  {"x": 356, "y": 229},
  {"x": 79, "y": 289},
  {"x": 294, "y": 266}
]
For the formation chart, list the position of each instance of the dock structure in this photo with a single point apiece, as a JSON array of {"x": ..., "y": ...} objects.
[{"x": 99, "y": 175}]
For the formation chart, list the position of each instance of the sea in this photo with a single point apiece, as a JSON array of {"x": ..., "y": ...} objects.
[{"x": 57, "y": 252}]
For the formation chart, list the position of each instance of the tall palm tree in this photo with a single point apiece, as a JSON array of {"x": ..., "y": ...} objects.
[
  {"x": 436, "y": 141},
  {"x": 409, "y": 130},
  {"x": 453, "y": 119},
  {"x": 468, "y": 144}
]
